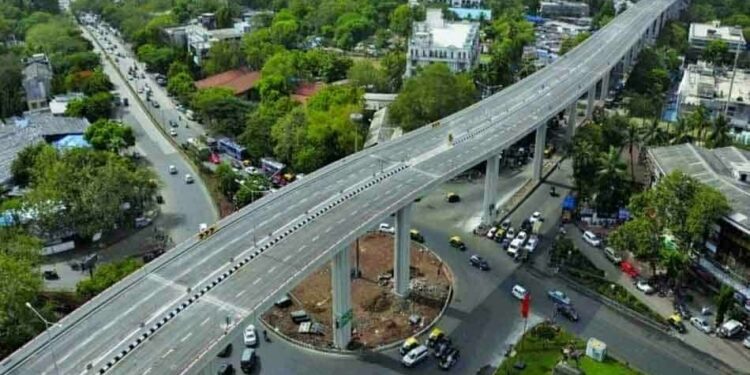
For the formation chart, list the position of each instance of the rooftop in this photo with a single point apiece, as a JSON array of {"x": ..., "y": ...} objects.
[
  {"x": 238, "y": 80},
  {"x": 701, "y": 80},
  {"x": 305, "y": 90},
  {"x": 445, "y": 34},
  {"x": 714, "y": 30},
  {"x": 717, "y": 168},
  {"x": 18, "y": 132}
]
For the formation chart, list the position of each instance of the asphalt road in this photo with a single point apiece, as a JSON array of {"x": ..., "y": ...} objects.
[
  {"x": 483, "y": 317},
  {"x": 169, "y": 316},
  {"x": 185, "y": 205}
]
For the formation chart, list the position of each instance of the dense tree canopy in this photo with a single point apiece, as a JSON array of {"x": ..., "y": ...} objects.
[
  {"x": 108, "y": 135},
  {"x": 106, "y": 275},
  {"x": 433, "y": 94}
]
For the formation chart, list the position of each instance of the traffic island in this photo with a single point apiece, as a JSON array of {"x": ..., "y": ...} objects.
[
  {"x": 379, "y": 317},
  {"x": 548, "y": 349}
]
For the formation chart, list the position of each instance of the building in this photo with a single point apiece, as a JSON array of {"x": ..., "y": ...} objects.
[
  {"x": 240, "y": 81},
  {"x": 464, "y": 3},
  {"x": 59, "y": 104},
  {"x": 727, "y": 251},
  {"x": 37, "y": 81},
  {"x": 702, "y": 84},
  {"x": 455, "y": 44},
  {"x": 556, "y": 9},
  {"x": 472, "y": 14},
  {"x": 18, "y": 132},
  {"x": 377, "y": 101},
  {"x": 701, "y": 34},
  {"x": 200, "y": 34},
  {"x": 305, "y": 90}
]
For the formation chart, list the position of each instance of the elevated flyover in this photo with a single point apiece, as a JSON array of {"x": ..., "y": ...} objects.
[{"x": 174, "y": 314}]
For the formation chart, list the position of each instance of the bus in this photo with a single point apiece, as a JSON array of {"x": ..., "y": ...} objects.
[{"x": 232, "y": 149}]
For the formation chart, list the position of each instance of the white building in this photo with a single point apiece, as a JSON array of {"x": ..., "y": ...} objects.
[
  {"x": 555, "y": 9},
  {"x": 704, "y": 85},
  {"x": 464, "y": 3},
  {"x": 455, "y": 44},
  {"x": 701, "y": 34},
  {"x": 199, "y": 35}
]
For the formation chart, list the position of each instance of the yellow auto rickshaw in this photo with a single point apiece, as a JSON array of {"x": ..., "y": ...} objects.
[
  {"x": 435, "y": 335},
  {"x": 416, "y": 236},
  {"x": 408, "y": 345},
  {"x": 452, "y": 198},
  {"x": 456, "y": 242}
]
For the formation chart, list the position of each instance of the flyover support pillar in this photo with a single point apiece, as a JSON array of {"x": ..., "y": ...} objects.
[
  {"x": 490, "y": 190},
  {"x": 342, "y": 298},
  {"x": 572, "y": 113},
  {"x": 605, "y": 87},
  {"x": 402, "y": 251},
  {"x": 590, "y": 102},
  {"x": 539, "y": 145}
]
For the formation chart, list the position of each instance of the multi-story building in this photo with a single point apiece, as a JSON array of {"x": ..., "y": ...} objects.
[
  {"x": 37, "y": 82},
  {"x": 455, "y": 44},
  {"x": 707, "y": 86},
  {"x": 556, "y": 9},
  {"x": 726, "y": 257},
  {"x": 464, "y": 3},
  {"x": 701, "y": 34},
  {"x": 200, "y": 34}
]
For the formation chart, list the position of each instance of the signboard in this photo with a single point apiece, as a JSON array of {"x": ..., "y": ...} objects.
[
  {"x": 525, "y": 302},
  {"x": 346, "y": 318}
]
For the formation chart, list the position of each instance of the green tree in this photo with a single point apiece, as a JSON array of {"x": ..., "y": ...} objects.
[
  {"x": 612, "y": 191},
  {"x": 364, "y": 74},
  {"x": 221, "y": 110},
  {"x": 259, "y": 46},
  {"x": 322, "y": 65},
  {"x": 257, "y": 134},
  {"x": 724, "y": 301},
  {"x": 394, "y": 66},
  {"x": 430, "y": 96},
  {"x": 95, "y": 107},
  {"x": 223, "y": 56},
  {"x": 719, "y": 134},
  {"x": 182, "y": 86},
  {"x": 585, "y": 165},
  {"x": 652, "y": 134},
  {"x": 707, "y": 207},
  {"x": 177, "y": 67},
  {"x": 674, "y": 35},
  {"x": 699, "y": 121},
  {"x": 157, "y": 59},
  {"x": 23, "y": 165},
  {"x": 227, "y": 180},
  {"x": 20, "y": 283},
  {"x": 95, "y": 83},
  {"x": 401, "y": 20},
  {"x": 11, "y": 96},
  {"x": 109, "y": 135},
  {"x": 106, "y": 275},
  {"x": 681, "y": 132},
  {"x": 717, "y": 52},
  {"x": 641, "y": 237}
]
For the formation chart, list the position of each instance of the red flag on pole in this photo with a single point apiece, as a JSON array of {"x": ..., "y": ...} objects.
[{"x": 525, "y": 304}]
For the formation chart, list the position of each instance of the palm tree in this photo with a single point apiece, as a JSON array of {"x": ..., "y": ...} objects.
[
  {"x": 632, "y": 136},
  {"x": 584, "y": 165},
  {"x": 719, "y": 134},
  {"x": 610, "y": 165},
  {"x": 653, "y": 134},
  {"x": 681, "y": 132},
  {"x": 699, "y": 121},
  {"x": 610, "y": 181}
]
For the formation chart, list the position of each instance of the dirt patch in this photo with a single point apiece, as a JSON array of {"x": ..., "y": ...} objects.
[{"x": 380, "y": 317}]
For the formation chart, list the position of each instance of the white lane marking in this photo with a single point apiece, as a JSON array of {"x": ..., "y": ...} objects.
[
  {"x": 186, "y": 337},
  {"x": 167, "y": 353},
  {"x": 116, "y": 346},
  {"x": 256, "y": 281},
  {"x": 272, "y": 269},
  {"x": 286, "y": 258},
  {"x": 315, "y": 238},
  {"x": 240, "y": 293},
  {"x": 224, "y": 305},
  {"x": 353, "y": 213},
  {"x": 303, "y": 247},
  {"x": 341, "y": 221},
  {"x": 328, "y": 229},
  {"x": 205, "y": 321},
  {"x": 147, "y": 371}
]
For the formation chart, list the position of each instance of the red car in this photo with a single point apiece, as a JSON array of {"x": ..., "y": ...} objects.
[
  {"x": 214, "y": 158},
  {"x": 628, "y": 269}
]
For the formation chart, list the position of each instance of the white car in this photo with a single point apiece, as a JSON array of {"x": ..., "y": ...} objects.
[
  {"x": 531, "y": 244},
  {"x": 535, "y": 217},
  {"x": 746, "y": 342},
  {"x": 188, "y": 179},
  {"x": 702, "y": 324},
  {"x": 386, "y": 228},
  {"x": 511, "y": 233},
  {"x": 173, "y": 132},
  {"x": 491, "y": 232},
  {"x": 202, "y": 227},
  {"x": 514, "y": 248},
  {"x": 644, "y": 287},
  {"x": 518, "y": 291},
  {"x": 249, "y": 337},
  {"x": 251, "y": 170},
  {"x": 172, "y": 169},
  {"x": 415, "y": 356},
  {"x": 522, "y": 236},
  {"x": 592, "y": 239}
]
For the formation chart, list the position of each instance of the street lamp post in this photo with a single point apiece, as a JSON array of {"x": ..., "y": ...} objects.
[{"x": 47, "y": 325}]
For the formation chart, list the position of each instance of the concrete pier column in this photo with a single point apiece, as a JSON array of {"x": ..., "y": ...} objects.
[
  {"x": 401, "y": 248},
  {"x": 342, "y": 298},
  {"x": 572, "y": 114},
  {"x": 539, "y": 145},
  {"x": 605, "y": 86},
  {"x": 490, "y": 190},
  {"x": 590, "y": 99}
]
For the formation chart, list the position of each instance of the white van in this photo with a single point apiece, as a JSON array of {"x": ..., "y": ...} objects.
[
  {"x": 612, "y": 255},
  {"x": 730, "y": 329},
  {"x": 592, "y": 239},
  {"x": 515, "y": 247},
  {"x": 190, "y": 114},
  {"x": 415, "y": 356}
]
